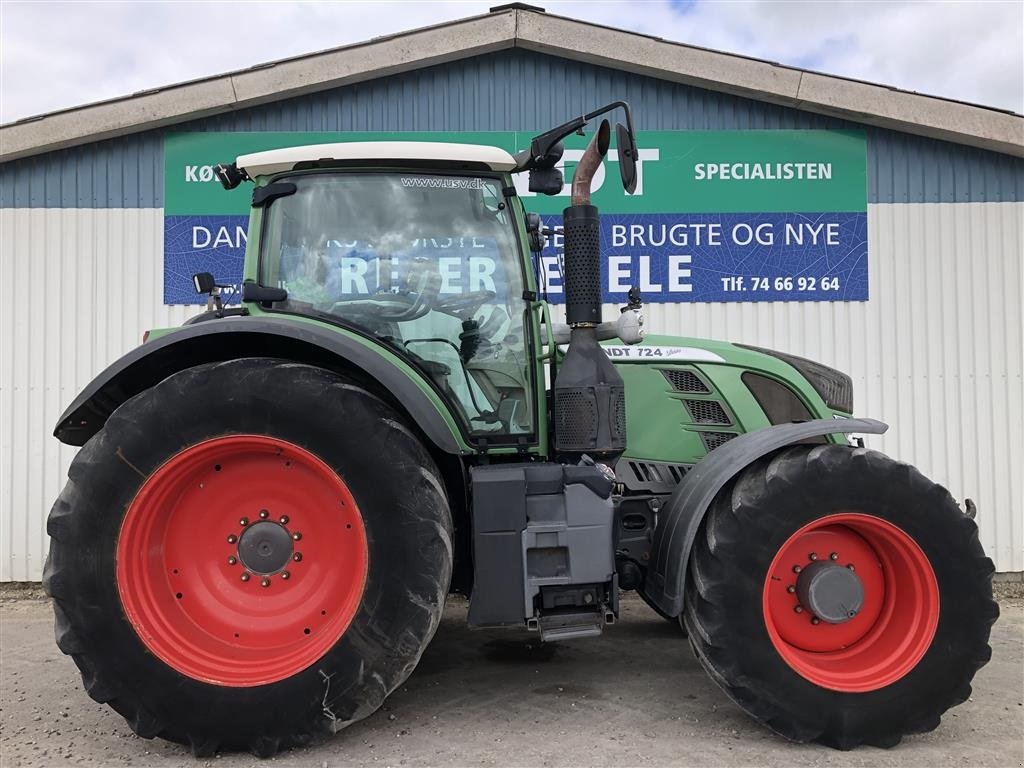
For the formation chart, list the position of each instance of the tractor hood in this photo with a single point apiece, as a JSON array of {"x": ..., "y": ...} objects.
[
  {"x": 834, "y": 387},
  {"x": 686, "y": 396}
]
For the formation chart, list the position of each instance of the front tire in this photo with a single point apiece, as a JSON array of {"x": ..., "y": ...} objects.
[
  {"x": 897, "y": 651},
  {"x": 250, "y": 555}
]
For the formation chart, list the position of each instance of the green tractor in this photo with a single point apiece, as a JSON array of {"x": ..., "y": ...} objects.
[{"x": 272, "y": 502}]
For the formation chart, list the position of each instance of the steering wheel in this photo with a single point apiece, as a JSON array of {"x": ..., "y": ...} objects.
[
  {"x": 463, "y": 303},
  {"x": 398, "y": 307},
  {"x": 377, "y": 304}
]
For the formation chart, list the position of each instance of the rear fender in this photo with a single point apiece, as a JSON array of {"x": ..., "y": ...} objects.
[
  {"x": 680, "y": 518},
  {"x": 233, "y": 338}
]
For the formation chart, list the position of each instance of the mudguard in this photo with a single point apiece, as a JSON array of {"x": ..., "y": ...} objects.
[
  {"x": 232, "y": 338},
  {"x": 682, "y": 515}
]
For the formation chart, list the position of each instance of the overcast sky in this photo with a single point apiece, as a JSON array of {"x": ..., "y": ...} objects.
[{"x": 55, "y": 55}]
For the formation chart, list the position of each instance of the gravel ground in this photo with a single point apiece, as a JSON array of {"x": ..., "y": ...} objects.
[{"x": 635, "y": 696}]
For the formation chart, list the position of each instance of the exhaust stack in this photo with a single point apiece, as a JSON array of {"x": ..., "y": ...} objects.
[{"x": 589, "y": 395}]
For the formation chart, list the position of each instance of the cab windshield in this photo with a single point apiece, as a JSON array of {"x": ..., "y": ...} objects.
[{"x": 428, "y": 264}]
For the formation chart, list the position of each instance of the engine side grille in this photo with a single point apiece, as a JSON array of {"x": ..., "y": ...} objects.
[
  {"x": 686, "y": 381},
  {"x": 707, "y": 412},
  {"x": 713, "y": 440},
  {"x": 650, "y": 476}
]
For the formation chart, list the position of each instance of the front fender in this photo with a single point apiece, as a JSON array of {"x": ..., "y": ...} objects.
[
  {"x": 680, "y": 518},
  {"x": 232, "y": 338}
]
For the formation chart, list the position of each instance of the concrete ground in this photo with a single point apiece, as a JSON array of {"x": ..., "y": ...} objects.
[{"x": 636, "y": 696}]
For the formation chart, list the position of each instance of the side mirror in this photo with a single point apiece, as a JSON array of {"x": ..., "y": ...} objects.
[
  {"x": 546, "y": 150},
  {"x": 229, "y": 175},
  {"x": 204, "y": 282},
  {"x": 545, "y": 179},
  {"x": 534, "y": 228},
  {"x": 628, "y": 155}
]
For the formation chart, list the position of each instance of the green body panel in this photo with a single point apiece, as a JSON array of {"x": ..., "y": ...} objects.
[
  {"x": 155, "y": 333},
  {"x": 379, "y": 349},
  {"x": 659, "y": 426}
]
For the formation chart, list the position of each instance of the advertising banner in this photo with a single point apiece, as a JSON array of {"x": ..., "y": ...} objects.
[{"x": 716, "y": 215}]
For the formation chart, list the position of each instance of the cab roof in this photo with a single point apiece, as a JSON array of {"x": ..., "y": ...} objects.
[{"x": 420, "y": 153}]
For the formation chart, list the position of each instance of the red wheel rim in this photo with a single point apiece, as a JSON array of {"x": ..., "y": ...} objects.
[
  {"x": 241, "y": 560},
  {"x": 896, "y": 622}
]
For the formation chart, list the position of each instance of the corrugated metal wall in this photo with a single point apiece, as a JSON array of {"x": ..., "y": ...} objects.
[
  {"x": 936, "y": 351},
  {"x": 82, "y": 285}
]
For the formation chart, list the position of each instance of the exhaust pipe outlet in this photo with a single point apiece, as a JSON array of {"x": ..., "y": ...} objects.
[
  {"x": 589, "y": 163},
  {"x": 589, "y": 395}
]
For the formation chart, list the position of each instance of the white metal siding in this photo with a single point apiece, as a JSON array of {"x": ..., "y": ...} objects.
[{"x": 937, "y": 351}]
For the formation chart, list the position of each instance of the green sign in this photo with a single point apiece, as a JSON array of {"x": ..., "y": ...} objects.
[{"x": 680, "y": 171}]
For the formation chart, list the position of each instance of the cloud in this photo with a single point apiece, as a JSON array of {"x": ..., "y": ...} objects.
[
  {"x": 56, "y": 55},
  {"x": 971, "y": 51}
]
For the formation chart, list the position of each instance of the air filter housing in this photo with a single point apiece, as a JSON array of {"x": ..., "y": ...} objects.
[{"x": 590, "y": 402}]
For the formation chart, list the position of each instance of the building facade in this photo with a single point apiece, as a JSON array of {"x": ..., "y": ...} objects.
[{"x": 936, "y": 350}]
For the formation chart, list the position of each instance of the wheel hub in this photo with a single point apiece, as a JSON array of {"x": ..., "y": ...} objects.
[
  {"x": 850, "y": 602},
  {"x": 831, "y": 592},
  {"x": 265, "y": 547}
]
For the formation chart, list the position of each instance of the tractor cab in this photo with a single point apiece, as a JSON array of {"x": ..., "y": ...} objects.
[{"x": 420, "y": 252}]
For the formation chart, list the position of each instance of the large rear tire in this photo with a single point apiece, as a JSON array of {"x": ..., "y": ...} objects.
[
  {"x": 888, "y": 663},
  {"x": 250, "y": 555}
]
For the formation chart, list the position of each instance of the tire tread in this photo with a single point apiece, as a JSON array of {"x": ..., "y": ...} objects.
[{"x": 744, "y": 513}]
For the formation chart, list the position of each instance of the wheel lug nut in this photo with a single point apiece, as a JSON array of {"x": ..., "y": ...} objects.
[
  {"x": 815, "y": 620},
  {"x": 264, "y": 514},
  {"x": 232, "y": 560},
  {"x": 798, "y": 609},
  {"x": 283, "y": 520},
  {"x": 296, "y": 536},
  {"x": 812, "y": 556},
  {"x": 232, "y": 538},
  {"x": 285, "y": 575},
  {"x": 850, "y": 566},
  {"x": 264, "y": 582},
  {"x": 243, "y": 522},
  {"x": 797, "y": 569},
  {"x": 834, "y": 556},
  {"x": 297, "y": 556},
  {"x": 245, "y": 576},
  {"x": 791, "y": 589}
]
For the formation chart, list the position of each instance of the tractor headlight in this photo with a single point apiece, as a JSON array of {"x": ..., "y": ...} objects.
[{"x": 835, "y": 387}]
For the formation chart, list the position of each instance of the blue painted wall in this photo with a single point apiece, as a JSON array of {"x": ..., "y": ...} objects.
[{"x": 508, "y": 90}]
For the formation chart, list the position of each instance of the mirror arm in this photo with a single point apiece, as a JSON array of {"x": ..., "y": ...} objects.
[{"x": 541, "y": 145}]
